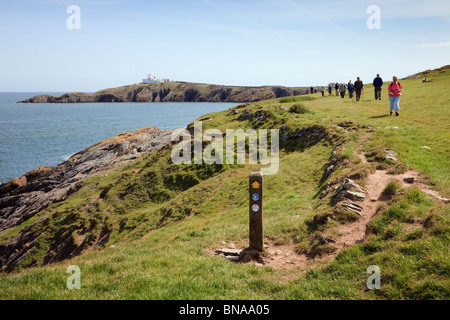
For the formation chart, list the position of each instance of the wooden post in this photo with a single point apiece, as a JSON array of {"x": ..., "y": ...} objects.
[{"x": 256, "y": 212}]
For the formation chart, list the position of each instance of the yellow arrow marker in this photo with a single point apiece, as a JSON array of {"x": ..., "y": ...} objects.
[{"x": 255, "y": 185}]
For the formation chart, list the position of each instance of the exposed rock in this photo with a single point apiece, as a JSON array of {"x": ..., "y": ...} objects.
[
  {"x": 229, "y": 252},
  {"x": 24, "y": 197},
  {"x": 356, "y": 196},
  {"x": 353, "y": 207},
  {"x": 259, "y": 115},
  {"x": 303, "y": 138},
  {"x": 324, "y": 240},
  {"x": 445, "y": 200},
  {"x": 350, "y": 190},
  {"x": 19, "y": 247},
  {"x": 335, "y": 161},
  {"x": 349, "y": 184},
  {"x": 323, "y": 194},
  {"x": 391, "y": 155},
  {"x": 233, "y": 258},
  {"x": 409, "y": 180}
]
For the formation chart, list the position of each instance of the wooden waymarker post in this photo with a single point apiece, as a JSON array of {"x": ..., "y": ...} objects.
[{"x": 256, "y": 212}]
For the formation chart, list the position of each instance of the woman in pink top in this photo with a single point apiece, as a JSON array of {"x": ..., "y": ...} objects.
[{"x": 395, "y": 91}]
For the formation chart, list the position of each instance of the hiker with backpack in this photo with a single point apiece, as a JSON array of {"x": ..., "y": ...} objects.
[
  {"x": 395, "y": 91},
  {"x": 359, "y": 86},
  {"x": 377, "y": 84},
  {"x": 350, "y": 88}
]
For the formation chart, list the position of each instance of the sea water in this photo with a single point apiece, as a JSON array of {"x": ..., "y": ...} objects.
[{"x": 37, "y": 134}]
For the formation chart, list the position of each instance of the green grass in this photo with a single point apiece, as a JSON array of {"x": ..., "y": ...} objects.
[
  {"x": 162, "y": 218},
  {"x": 391, "y": 188}
]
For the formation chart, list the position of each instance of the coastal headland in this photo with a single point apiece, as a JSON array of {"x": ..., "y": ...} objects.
[{"x": 173, "y": 92}]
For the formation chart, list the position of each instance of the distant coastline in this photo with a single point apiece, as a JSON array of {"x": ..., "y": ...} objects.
[{"x": 173, "y": 92}]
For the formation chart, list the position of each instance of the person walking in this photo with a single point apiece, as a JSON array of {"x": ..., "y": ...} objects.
[
  {"x": 330, "y": 89},
  {"x": 342, "y": 89},
  {"x": 377, "y": 84},
  {"x": 350, "y": 88},
  {"x": 359, "y": 86},
  {"x": 312, "y": 90},
  {"x": 395, "y": 91},
  {"x": 322, "y": 90},
  {"x": 336, "y": 87}
]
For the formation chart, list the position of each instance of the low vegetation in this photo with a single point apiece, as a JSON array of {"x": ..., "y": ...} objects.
[
  {"x": 163, "y": 220},
  {"x": 299, "y": 108}
]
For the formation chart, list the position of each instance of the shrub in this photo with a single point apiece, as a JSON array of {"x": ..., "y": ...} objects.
[
  {"x": 391, "y": 188},
  {"x": 299, "y": 108}
]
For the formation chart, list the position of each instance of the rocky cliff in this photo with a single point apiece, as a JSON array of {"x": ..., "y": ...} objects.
[
  {"x": 24, "y": 197},
  {"x": 173, "y": 92}
]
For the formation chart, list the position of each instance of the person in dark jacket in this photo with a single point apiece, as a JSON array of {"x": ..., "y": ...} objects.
[
  {"x": 342, "y": 88},
  {"x": 330, "y": 89},
  {"x": 377, "y": 84},
  {"x": 350, "y": 89},
  {"x": 336, "y": 87},
  {"x": 359, "y": 86}
]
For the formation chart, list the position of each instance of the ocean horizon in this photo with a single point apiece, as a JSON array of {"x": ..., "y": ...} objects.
[{"x": 45, "y": 134}]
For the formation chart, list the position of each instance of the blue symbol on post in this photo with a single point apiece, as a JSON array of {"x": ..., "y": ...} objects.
[
  {"x": 255, "y": 197},
  {"x": 255, "y": 208}
]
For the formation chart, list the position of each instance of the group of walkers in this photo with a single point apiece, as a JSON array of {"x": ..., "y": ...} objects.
[
  {"x": 341, "y": 88},
  {"x": 356, "y": 89}
]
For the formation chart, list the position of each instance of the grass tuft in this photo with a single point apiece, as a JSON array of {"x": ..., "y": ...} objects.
[{"x": 299, "y": 109}]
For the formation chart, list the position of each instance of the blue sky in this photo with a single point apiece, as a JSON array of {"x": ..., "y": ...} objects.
[{"x": 233, "y": 42}]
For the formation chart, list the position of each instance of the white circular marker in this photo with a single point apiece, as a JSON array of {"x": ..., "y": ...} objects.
[{"x": 255, "y": 208}]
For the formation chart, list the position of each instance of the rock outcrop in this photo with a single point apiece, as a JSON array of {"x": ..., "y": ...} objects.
[
  {"x": 24, "y": 197},
  {"x": 173, "y": 92},
  {"x": 21, "y": 198}
]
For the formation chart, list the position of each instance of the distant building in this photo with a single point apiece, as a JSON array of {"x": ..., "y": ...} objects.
[{"x": 153, "y": 79}]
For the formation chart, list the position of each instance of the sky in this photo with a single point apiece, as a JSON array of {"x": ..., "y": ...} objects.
[{"x": 228, "y": 42}]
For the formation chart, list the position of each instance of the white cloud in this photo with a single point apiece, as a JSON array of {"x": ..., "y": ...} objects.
[{"x": 435, "y": 45}]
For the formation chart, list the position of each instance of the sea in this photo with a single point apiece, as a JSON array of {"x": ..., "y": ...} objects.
[{"x": 38, "y": 134}]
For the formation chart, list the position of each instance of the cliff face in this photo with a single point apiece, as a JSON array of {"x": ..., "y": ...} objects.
[
  {"x": 24, "y": 197},
  {"x": 173, "y": 92}
]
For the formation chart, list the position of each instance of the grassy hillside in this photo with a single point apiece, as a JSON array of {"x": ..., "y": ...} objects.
[{"x": 165, "y": 221}]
